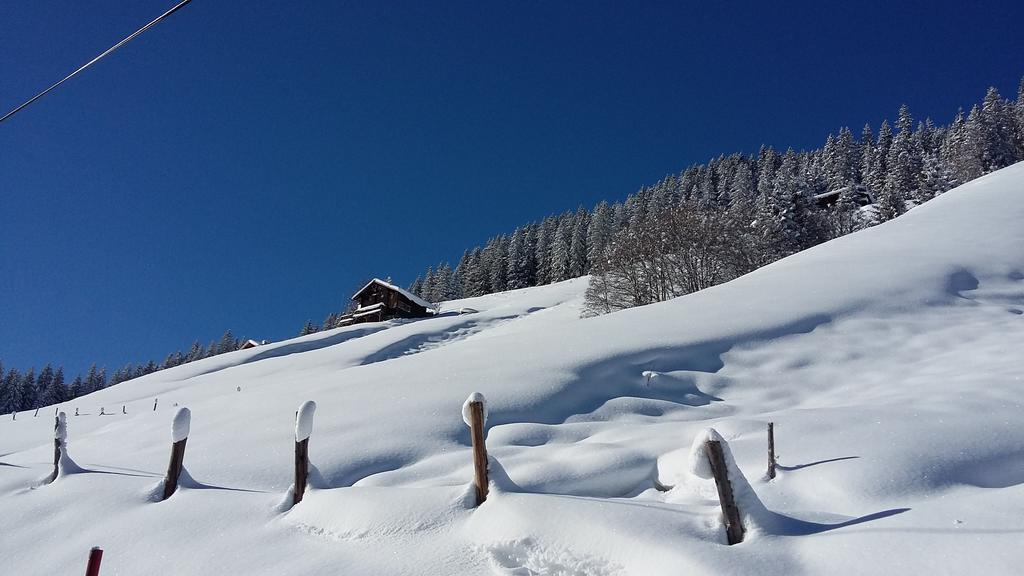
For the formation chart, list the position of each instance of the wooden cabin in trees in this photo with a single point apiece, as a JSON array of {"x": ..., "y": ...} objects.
[
  {"x": 251, "y": 344},
  {"x": 858, "y": 193},
  {"x": 380, "y": 300}
]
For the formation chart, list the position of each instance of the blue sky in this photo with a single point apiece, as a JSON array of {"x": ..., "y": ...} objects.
[{"x": 245, "y": 165}]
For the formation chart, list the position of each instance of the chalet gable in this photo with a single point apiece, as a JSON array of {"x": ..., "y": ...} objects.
[{"x": 379, "y": 300}]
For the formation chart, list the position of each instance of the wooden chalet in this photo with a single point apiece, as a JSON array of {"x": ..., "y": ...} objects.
[
  {"x": 380, "y": 300},
  {"x": 859, "y": 193}
]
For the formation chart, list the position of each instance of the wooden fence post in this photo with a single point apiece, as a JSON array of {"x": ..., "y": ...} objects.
[
  {"x": 731, "y": 514},
  {"x": 36, "y": 413},
  {"x": 179, "y": 435},
  {"x": 60, "y": 436},
  {"x": 303, "y": 429},
  {"x": 124, "y": 409},
  {"x": 475, "y": 415},
  {"x": 95, "y": 557},
  {"x": 155, "y": 400},
  {"x": 771, "y": 450}
]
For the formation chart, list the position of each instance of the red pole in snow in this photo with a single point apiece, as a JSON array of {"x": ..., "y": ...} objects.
[{"x": 95, "y": 555}]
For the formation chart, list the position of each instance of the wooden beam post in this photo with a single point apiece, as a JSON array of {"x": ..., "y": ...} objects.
[
  {"x": 59, "y": 440},
  {"x": 303, "y": 430},
  {"x": 95, "y": 557},
  {"x": 301, "y": 469},
  {"x": 730, "y": 512},
  {"x": 771, "y": 450},
  {"x": 179, "y": 436},
  {"x": 476, "y": 433}
]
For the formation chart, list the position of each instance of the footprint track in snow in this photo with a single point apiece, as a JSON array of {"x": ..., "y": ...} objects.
[{"x": 527, "y": 558}]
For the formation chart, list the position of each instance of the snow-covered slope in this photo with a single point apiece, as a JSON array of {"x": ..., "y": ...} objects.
[{"x": 889, "y": 361}]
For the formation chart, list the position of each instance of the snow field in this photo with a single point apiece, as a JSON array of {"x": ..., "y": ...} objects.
[{"x": 888, "y": 360}]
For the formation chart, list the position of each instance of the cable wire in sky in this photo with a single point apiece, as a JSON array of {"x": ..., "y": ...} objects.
[{"x": 131, "y": 37}]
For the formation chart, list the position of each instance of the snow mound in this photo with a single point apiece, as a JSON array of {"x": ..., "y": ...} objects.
[
  {"x": 181, "y": 424},
  {"x": 467, "y": 413},
  {"x": 304, "y": 420}
]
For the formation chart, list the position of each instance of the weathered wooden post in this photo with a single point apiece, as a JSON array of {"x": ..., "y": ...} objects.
[
  {"x": 14, "y": 415},
  {"x": 95, "y": 557},
  {"x": 303, "y": 429},
  {"x": 474, "y": 414},
  {"x": 179, "y": 436},
  {"x": 124, "y": 409},
  {"x": 771, "y": 450},
  {"x": 60, "y": 438},
  {"x": 155, "y": 400},
  {"x": 36, "y": 413},
  {"x": 730, "y": 512}
]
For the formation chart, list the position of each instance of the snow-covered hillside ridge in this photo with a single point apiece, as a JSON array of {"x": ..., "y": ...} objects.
[{"x": 889, "y": 361}]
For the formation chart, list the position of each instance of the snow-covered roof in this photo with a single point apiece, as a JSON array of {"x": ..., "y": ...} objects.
[
  {"x": 370, "y": 308},
  {"x": 401, "y": 291}
]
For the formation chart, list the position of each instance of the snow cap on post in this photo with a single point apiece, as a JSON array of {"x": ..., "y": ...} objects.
[
  {"x": 180, "y": 427},
  {"x": 61, "y": 431},
  {"x": 304, "y": 421},
  {"x": 699, "y": 465},
  {"x": 466, "y": 415}
]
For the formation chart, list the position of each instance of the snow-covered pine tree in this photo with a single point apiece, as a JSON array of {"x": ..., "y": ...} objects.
[
  {"x": 196, "y": 352},
  {"x": 474, "y": 278},
  {"x": 429, "y": 290},
  {"x": 498, "y": 263},
  {"x": 53, "y": 390},
  {"x": 12, "y": 388},
  {"x": 600, "y": 231},
  {"x": 330, "y": 322},
  {"x": 546, "y": 233},
  {"x": 903, "y": 166},
  {"x": 44, "y": 381},
  {"x": 561, "y": 249},
  {"x": 767, "y": 165},
  {"x": 999, "y": 132},
  {"x": 227, "y": 343},
  {"x": 446, "y": 284},
  {"x": 839, "y": 160},
  {"x": 743, "y": 195},
  {"x": 77, "y": 388},
  {"x": 28, "y": 393},
  {"x": 519, "y": 260},
  {"x": 970, "y": 152},
  {"x": 308, "y": 328},
  {"x": 417, "y": 286},
  {"x": 1019, "y": 113},
  {"x": 867, "y": 156},
  {"x": 877, "y": 177},
  {"x": 5, "y": 391},
  {"x": 784, "y": 217},
  {"x": 578, "y": 262}
]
